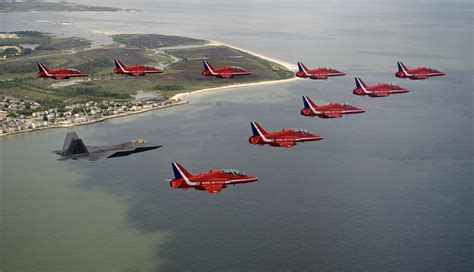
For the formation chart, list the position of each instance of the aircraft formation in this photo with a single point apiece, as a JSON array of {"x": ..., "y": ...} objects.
[{"x": 215, "y": 180}]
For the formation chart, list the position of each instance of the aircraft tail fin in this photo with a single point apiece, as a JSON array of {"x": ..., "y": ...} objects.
[
  {"x": 43, "y": 68},
  {"x": 360, "y": 83},
  {"x": 402, "y": 67},
  {"x": 302, "y": 67},
  {"x": 73, "y": 145},
  {"x": 308, "y": 103},
  {"x": 257, "y": 130},
  {"x": 119, "y": 65},
  {"x": 180, "y": 172},
  {"x": 208, "y": 67}
]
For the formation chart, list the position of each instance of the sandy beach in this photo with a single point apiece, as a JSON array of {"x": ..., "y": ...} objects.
[
  {"x": 287, "y": 65},
  {"x": 232, "y": 86}
]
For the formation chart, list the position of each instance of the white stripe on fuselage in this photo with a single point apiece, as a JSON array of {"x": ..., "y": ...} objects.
[
  {"x": 238, "y": 180},
  {"x": 403, "y": 68},
  {"x": 265, "y": 139},
  {"x": 304, "y": 69},
  {"x": 186, "y": 179},
  {"x": 45, "y": 70},
  {"x": 209, "y": 68},
  {"x": 311, "y": 106},
  {"x": 308, "y": 138},
  {"x": 121, "y": 67},
  {"x": 362, "y": 86}
]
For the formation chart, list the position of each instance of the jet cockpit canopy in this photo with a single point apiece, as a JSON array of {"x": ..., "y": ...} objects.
[{"x": 234, "y": 172}]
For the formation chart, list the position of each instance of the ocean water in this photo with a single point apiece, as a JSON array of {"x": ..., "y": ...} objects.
[{"x": 387, "y": 190}]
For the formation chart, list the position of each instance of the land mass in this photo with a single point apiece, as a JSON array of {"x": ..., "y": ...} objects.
[
  {"x": 28, "y": 100},
  {"x": 29, "y": 6}
]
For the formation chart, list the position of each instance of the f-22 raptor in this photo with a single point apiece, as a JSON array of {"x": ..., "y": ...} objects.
[{"x": 74, "y": 148}]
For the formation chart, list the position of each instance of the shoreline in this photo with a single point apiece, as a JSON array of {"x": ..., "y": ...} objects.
[
  {"x": 178, "y": 99},
  {"x": 101, "y": 119},
  {"x": 285, "y": 64},
  {"x": 233, "y": 86}
]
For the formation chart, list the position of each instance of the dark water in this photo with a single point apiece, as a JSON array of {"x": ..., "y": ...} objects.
[{"x": 387, "y": 190}]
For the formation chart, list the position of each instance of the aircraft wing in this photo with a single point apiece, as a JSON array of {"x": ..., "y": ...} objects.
[
  {"x": 214, "y": 188},
  {"x": 319, "y": 77},
  {"x": 137, "y": 73},
  {"x": 61, "y": 76},
  {"x": 287, "y": 144},
  {"x": 332, "y": 115},
  {"x": 420, "y": 76},
  {"x": 380, "y": 94}
]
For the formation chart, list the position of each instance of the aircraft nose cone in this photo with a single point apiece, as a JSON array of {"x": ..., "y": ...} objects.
[
  {"x": 253, "y": 178},
  {"x": 317, "y": 137}
]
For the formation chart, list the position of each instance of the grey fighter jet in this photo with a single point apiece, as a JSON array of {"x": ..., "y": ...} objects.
[{"x": 74, "y": 148}]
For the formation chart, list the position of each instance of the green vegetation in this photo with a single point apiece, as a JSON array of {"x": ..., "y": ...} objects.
[
  {"x": 95, "y": 65},
  {"x": 155, "y": 40},
  {"x": 9, "y": 52},
  {"x": 93, "y": 93},
  {"x": 12, "y": 44},
  {"x": 169, "y": 88},
  {"x": 18, "y": 74},
  {"x": 25, "y": 37},
  {"x": 64, "y": 44}
]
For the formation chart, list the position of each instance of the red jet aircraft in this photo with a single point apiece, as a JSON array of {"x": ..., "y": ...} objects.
[
  {"x": 320, "y": 73},
  {"x": 416, "y": 73},
  {"x": 332, "y": 110},
  {"x": 226, "y": 72},
  {"x": 213, "y": 181},
  {"x": 138, "y": 70},
  {"x": 379, "y": 90},
  {"x": 61, "y": 73},
  {"x": 285, "y": 138}
]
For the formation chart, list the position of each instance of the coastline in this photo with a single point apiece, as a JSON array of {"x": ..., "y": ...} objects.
[
  {"x": 104, "y": 118},
  {"x": 232, "y": 86},
  {"x": 178, "y": 99},
  {"x": 285, "y": 64}
]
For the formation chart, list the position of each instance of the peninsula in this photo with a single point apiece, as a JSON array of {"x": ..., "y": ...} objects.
[{"x": 28, "y": 103}]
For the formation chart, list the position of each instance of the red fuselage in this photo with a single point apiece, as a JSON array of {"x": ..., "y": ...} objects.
[
  {"x": 213, "y": 181},
  {"x": 138, "y": 70},
  {"x": 419, "y": 73},
  {"x": 416, "y": 73},
  {"x": 285, "y": 138},
  {"x": 226, "y": 72},
  {"x": 320, "y": 73},
  {"x": 61, "y": 74},
  {"x": 379, "y": 90},
  {"x": 333, "y": 110}
]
